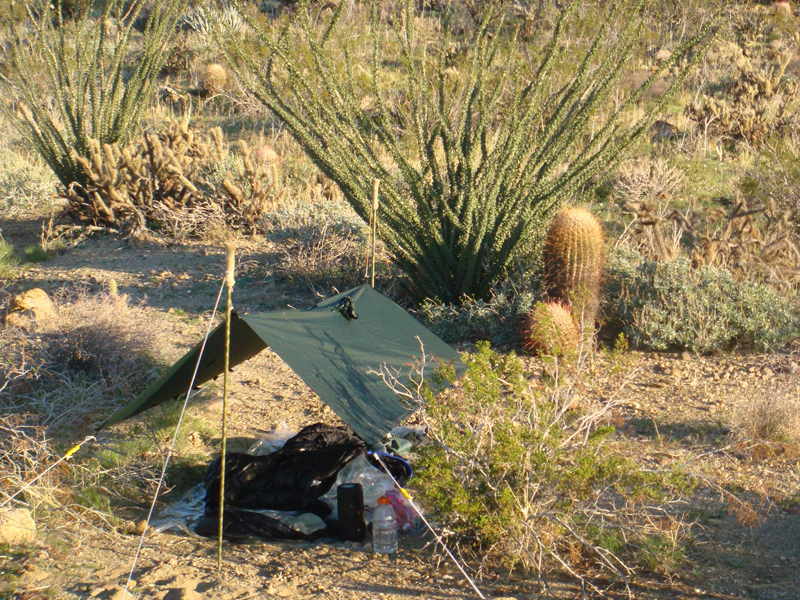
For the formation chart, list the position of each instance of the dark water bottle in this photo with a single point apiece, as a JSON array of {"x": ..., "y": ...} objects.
[{"x": 350, "y": 503}]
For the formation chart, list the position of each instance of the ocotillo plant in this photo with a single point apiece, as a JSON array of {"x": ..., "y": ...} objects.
[
  {"x": 573, "y": 263},
  {"x": 71, "y": 81},
  {"x": 476, "y": 134}
]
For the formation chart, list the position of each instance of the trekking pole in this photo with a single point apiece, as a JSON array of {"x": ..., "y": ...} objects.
[
  {"x": 231, "y": 249},
  {"x": 375, "y": 185}
]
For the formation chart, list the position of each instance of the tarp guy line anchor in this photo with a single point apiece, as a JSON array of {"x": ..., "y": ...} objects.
[{"x": 67, "y": 456}]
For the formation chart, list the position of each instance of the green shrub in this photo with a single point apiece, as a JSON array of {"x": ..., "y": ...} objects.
[
  {"x": 519, "y": 476},
  {"x": 36, "y": 254},
  {"x": 670, "y": 305},
  {"x": 476, "y": 133}
]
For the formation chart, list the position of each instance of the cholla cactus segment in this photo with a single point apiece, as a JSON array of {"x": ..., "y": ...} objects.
[
  {"x": 549, "y": 329},
  {"x": 266, "y": 155},
  {"x": 573, "y": 255}
]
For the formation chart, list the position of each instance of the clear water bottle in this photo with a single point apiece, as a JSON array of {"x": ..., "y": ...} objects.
[{"x": 384, "y": 527}]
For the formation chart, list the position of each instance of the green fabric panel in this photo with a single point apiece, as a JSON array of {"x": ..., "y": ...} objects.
[
  {"x": 245, "y": 344},
  {"x": 333, "y": 355},
  {"x": 329, "y": 352}
]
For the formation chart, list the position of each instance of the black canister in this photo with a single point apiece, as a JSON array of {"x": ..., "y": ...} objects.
[{"x": 350, "y": 502}]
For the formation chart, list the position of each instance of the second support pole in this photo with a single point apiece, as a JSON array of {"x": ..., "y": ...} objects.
[{"x": 230, "y": 247}]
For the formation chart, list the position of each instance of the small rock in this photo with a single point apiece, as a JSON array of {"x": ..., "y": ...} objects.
[
  {"x": 120, "y": 594},
  {"x": 34, "y": 304},
  {"x": 767, "y": 373},
  {"x": 783, "y": 7},
  {"x": 33, "y": 576},
  {"x": 794, "y": 368},
  {"x": 140, "y": 528},
  {"x": 663, "y": 54},
  {"x": 662, "y": 130},
  {"x": 685, "y": 355},
  {"x": 16, "y": 526}
]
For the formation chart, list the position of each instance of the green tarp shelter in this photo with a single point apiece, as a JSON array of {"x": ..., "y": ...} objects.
[{"x": 331, "y": 346}]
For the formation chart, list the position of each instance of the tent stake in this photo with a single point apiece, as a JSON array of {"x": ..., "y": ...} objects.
[
  {"x": 230, "y": 247},
  {"x": 375, "y": 185}
]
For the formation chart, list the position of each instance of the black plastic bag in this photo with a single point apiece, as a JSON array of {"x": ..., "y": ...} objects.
[
  {"x": 292, "y": 478},
  {"x": 239, "y": 524}
]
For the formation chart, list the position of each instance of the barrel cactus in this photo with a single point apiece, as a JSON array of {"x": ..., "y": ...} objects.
[
  {"x": 213, "y": 79},
  {"x": 573, "y": 263},
  {"x": 549, "y": 329}
]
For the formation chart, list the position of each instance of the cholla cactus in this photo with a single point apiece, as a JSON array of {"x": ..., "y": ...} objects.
[
  {"x": 761, "y": 100},
  {"x": 172, "y": 178}
]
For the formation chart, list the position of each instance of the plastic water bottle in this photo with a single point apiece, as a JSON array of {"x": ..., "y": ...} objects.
[{"x": 384, "y": 527}]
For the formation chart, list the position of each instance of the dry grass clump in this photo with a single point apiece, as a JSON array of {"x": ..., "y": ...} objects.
[
  {"x": 26, "y": 186},
  {"x": 327, "y": 253},
  {"x": 74, "y": 369},
  {"x": 771, "y": 414}
]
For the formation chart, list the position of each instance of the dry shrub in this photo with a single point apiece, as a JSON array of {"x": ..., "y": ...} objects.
[
  {"x": 76, "y": 490},
  {"x": 327, "y": 253},
  {"x": 771, "y": 414},
  {"x": 645, "y": 180},
  {"x": 107, "y": 336},
  {"x": 25, "y": 452},
  {"x": 77, "y": 368},
  {"x": 61, "y": 376}
]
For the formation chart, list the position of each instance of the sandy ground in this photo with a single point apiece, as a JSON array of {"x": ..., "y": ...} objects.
[{"x": 671, "y": 407}]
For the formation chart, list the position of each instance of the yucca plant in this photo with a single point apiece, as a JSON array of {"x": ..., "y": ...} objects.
[
  {"x": 474, "y": 135},
  {"x": 71, "y": 80}
]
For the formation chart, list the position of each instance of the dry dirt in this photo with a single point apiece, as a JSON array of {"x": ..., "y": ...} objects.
[{"x": 673, "y": 409}]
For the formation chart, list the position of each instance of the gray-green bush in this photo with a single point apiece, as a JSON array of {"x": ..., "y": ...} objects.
[
  {"x": 497, "y": 319},
  {"x": 671, "y": 305}
]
